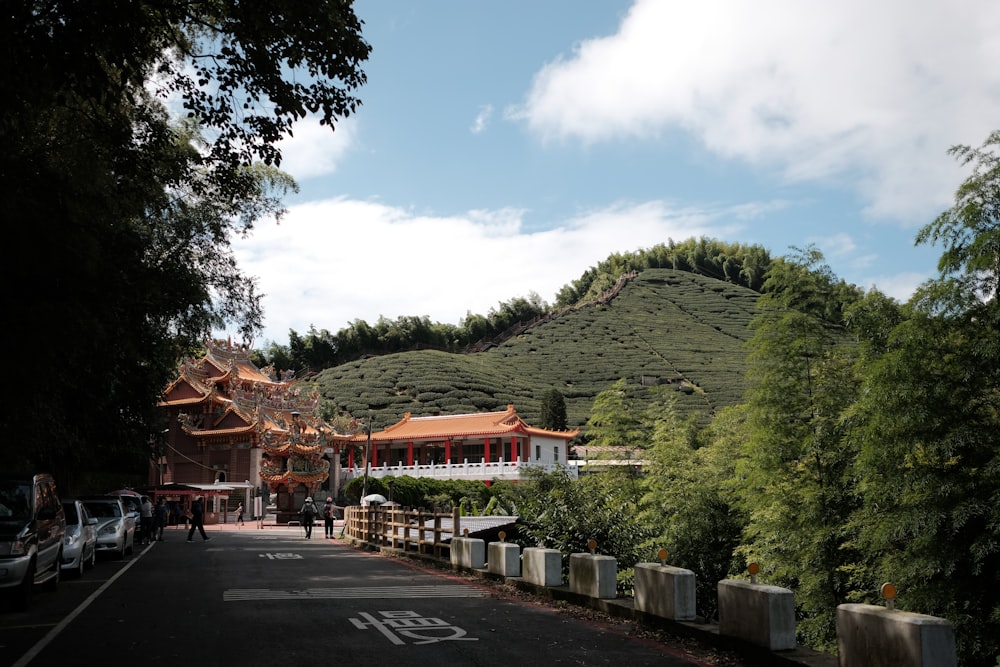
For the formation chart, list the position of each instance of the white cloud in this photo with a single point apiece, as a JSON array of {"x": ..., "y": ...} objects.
[
  {"x": 331, "y": 262},
  {"x": 315, "y": 150},
  {"x": 482, "y": 119},
  {"x": 871, "y": 93},
  {"x": 899, "y": 286},
  {"x": 837, "y": 245}
]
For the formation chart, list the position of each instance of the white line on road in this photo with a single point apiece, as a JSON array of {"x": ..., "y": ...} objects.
[
  {"x": 363, "y": 593},
  {"x": 54, "y": 632}
]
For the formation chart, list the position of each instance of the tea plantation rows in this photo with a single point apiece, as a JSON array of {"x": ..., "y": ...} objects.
[{"x": 665, "y": 327}]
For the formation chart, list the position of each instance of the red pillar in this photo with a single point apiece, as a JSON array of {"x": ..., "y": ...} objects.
[
  {"x": 447, "y": 450},
  {"x": 374, "y": 449},
  {"x": 409, "y": 453},
  {"x": 486, "y": 449},
  {"x": 350, "y": 457}
]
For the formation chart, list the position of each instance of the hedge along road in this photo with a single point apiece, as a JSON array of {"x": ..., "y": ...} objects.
[{"x": 271, "y": 596}]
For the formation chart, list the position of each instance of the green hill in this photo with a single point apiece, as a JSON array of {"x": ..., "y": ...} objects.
[{"x": 664, "y": 327}]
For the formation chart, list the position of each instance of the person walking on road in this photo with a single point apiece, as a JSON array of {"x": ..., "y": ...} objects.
[
  {"x": 328, "y": 512},
  {"x": 308, "y": 514},
  {"x": 146, "y": 520},
  {"x": 159, "y": 519},
  {"x": 197, "y": 520},
  {"x": 239, "y": 514}
]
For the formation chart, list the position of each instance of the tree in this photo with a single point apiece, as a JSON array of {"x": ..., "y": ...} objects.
[
  {"x": 131, "y": 211},
  {"x": 556, "y": 511},
  {"x": 688, "y": 501},
  {"x": 926, "y": 427},
  {"x": 794, "y": 468},
  {"x": 970, "y": 231},
  {"x": 616, "y": 421},
  {"x": 553, "y": 411}
]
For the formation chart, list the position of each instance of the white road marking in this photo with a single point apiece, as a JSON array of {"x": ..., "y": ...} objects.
[
  {"x": 54, "y": 632},
  {"x": 359, "y": 593}
]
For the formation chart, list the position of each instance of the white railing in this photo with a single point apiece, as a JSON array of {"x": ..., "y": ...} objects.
[{"x": 502, "y": 470}]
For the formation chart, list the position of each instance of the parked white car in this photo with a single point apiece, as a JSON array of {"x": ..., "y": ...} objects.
[
  {"x": 115, "y": 526},
  {"x": 132, "y": 502},
  {"x": 80, "y": 543}
]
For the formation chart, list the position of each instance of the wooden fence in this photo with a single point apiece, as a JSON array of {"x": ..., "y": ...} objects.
[{"x": 417, "y": 531}]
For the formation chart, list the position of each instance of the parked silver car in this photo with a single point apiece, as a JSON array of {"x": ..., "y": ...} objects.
[
  {"x": 132, "y": 502},
  {"x": 80, "y": 543},
  {"x": 115, "y": 526}
]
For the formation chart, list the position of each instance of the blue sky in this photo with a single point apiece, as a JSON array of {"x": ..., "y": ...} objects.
[{"x": 503, "y": 148}]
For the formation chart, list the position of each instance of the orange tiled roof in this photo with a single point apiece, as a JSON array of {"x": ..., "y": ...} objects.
[
  {"x": 214, "y": 433},
  {"x": 248, "y": 371},
  {"x": 184, "y": 391},
  {"x": 483, "y": 424}
]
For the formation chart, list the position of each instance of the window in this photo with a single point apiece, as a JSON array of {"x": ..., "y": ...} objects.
[
  {"x": 538, "y": 452},
  {"x": 473, "y": 453}
]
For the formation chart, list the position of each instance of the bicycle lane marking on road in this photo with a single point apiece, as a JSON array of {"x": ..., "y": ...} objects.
[{"x": 33, "y": 652}]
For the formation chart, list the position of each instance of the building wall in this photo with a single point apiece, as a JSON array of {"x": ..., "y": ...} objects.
[
  {"x": 239, "y": 463},
  {"x": 549, "y": 451}
]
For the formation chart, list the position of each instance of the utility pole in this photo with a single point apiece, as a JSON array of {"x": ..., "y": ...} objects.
[{"x": 368, "y": 458}]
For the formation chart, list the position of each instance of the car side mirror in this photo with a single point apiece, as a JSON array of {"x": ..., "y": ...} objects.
[{"x": 91, "y": 521}]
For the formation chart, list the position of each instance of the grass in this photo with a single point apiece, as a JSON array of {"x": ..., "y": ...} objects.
[{"x": 677, "y": 329}]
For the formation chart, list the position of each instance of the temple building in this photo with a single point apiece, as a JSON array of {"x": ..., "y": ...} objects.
[
  {"x": 233, "y": 424},
  {"x": 481, "y": 446},
  {"x": 235, "y": 429}
]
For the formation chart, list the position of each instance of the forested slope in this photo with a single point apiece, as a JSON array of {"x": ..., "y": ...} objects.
[{"x": 673, "y": 328}]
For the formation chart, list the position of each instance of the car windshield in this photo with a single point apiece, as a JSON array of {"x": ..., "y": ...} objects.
[
  {"x": 131, "y": 504},
  {"x": 15, "y": 500},
  {"x": 103, "y": 510}
]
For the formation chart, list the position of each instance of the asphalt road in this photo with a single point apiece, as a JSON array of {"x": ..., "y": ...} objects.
[{"x": 270, "y": 596}]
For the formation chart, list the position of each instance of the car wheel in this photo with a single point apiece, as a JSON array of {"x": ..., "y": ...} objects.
[
  {"x": 121, "y": 552},
  {"x": 22, "y": 595},
  {"x": 78, "y": 572}
]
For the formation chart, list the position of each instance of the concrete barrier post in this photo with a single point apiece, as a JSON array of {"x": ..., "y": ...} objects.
[
  {"x": 760, "y": 614},
  {"x": 593, "y": 575},
  {"x": 874, "y": 636},
  {"x": 665, "y": 591},
  {"x": 504, "y": 559},
  {"x": 542, "y": 567},
  {"x": 468, "y": 552}
]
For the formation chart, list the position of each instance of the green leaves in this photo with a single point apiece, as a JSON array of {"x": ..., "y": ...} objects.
[
  {"x": 553, "y": 411},
  {"x": 558, "y": 512},
  {"x": 681, "y": 331},
  {"x": 135, "y": 210},
  {"x": 793, "y": 472},
  {"x": 970, "y": 229}
]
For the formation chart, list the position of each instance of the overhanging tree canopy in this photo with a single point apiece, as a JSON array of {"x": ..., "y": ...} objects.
[{"x": 125, "y": 215}]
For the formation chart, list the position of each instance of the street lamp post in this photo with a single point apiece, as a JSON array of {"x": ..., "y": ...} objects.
[{"x": 368, "y": 458}]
